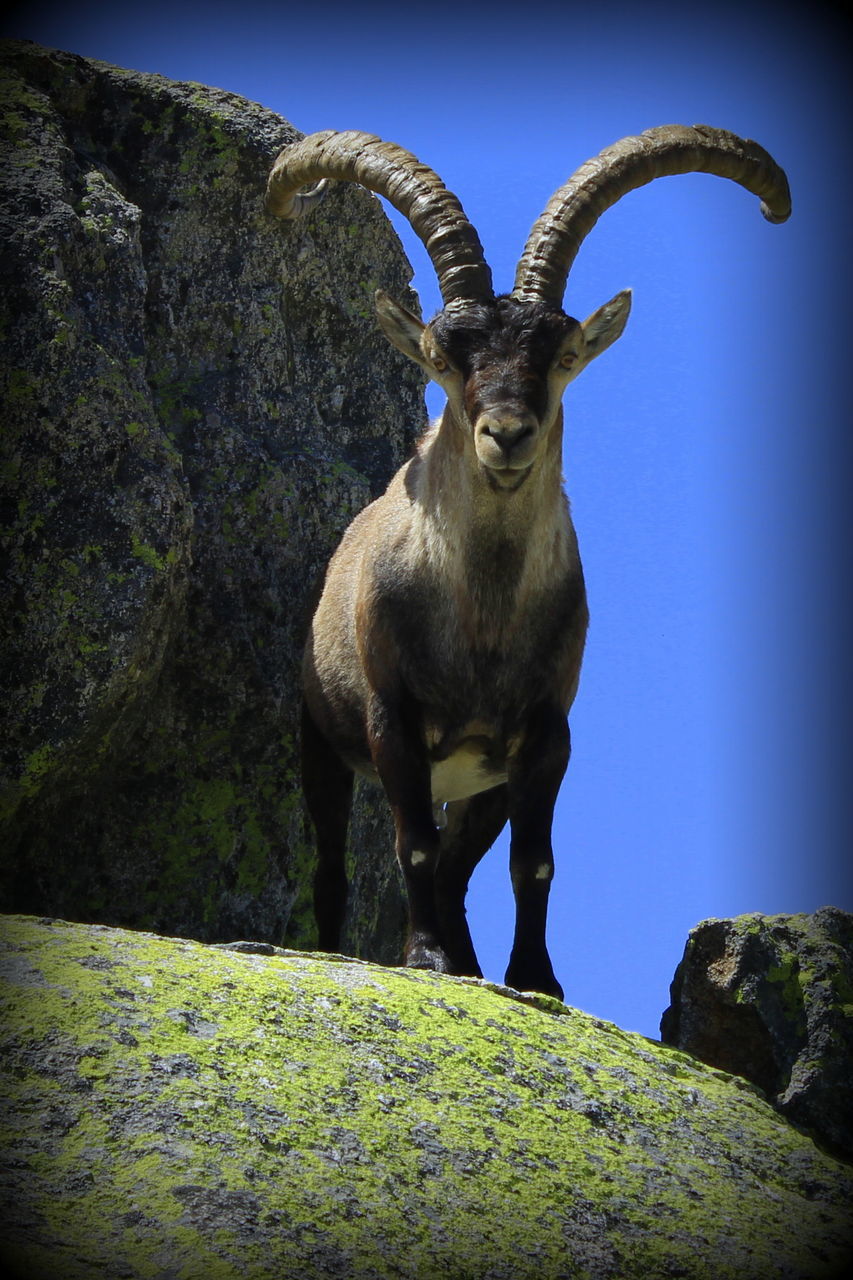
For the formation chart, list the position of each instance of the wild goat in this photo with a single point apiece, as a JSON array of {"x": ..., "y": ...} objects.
[{"x": 445, "y": 651}]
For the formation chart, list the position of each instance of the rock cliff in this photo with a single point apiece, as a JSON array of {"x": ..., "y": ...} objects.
[
  {"x": 196, "y": 403},
  {"x": 771, "y": 998},
  {"x": 175, "y": 1109}
]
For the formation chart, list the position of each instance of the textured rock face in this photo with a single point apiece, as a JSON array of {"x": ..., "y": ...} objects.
[
  {"x": 174, "y": 1109},
  {"x": 770, "y": 998},
  {"x": 196, "y": 402}
]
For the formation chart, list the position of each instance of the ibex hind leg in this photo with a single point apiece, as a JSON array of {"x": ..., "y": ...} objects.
[
  {"x": 473, "y": 825},
  {"x": 327, "y": 785}
]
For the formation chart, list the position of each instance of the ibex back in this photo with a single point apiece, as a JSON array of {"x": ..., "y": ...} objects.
[{"x": 445, "y": 651}]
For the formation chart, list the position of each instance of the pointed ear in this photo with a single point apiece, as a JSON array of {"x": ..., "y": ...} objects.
[
  {"x": 605, "y": 325},
  {"x": 399, "y": 326}
]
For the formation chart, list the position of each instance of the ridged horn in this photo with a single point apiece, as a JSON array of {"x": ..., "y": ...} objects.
[
  {"x": 574, "y": 208},
  {"x": 413, "y": 188}
]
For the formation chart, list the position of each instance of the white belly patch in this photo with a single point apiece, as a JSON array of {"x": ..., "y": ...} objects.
[{"x": 465, "y": 773}]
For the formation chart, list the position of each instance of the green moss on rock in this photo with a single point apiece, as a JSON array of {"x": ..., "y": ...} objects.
[{"x": 182, "y": 1110}]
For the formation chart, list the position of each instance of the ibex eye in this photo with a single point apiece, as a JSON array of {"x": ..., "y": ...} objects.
[
  {"x": 568, "y": 360},
  {"x": 439, "y": 364}
]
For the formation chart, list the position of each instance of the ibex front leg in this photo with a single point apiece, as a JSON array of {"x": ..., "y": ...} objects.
[
  {"x": 400, "y": 758},
  {"x": 534, "y": 780}
]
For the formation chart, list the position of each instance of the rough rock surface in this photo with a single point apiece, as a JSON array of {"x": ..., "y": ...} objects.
[
  {"x": 770, "y": 998},
  {"x": 196, "y": 402},
  {"x": 176, "y": 1109}
]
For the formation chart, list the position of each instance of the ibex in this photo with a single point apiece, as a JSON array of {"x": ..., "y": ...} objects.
[{"x": 444, "y": 654}]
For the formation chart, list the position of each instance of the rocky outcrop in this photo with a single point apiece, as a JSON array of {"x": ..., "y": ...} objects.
[
  {"x": 770, "y": 998},
  {"x": 176, "y": 1109},
  {"x": 196, "y": 402}
]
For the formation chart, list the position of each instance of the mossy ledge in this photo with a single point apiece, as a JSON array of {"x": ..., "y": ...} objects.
[{"x": 178, "y": 1109}]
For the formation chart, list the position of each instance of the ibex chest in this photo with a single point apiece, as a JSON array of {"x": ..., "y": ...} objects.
[{"x": 475, "y": 687}]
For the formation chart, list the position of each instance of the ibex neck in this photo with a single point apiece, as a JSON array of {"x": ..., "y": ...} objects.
[{"x": 495, "y": 543}]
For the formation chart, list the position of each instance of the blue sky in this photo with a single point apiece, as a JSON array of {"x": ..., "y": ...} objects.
[{"x": 705, "y": 457}]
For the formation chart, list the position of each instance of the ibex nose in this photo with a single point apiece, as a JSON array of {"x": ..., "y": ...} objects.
[{"x": 507, "y": 430}]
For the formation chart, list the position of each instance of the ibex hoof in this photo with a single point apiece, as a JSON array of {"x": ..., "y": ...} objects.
[{"x": 531, "y": 976}]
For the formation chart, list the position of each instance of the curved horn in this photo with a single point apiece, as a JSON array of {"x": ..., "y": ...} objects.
[
  {"x": 414, "y": 189},
  {"x": 574, "y": 208}
]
